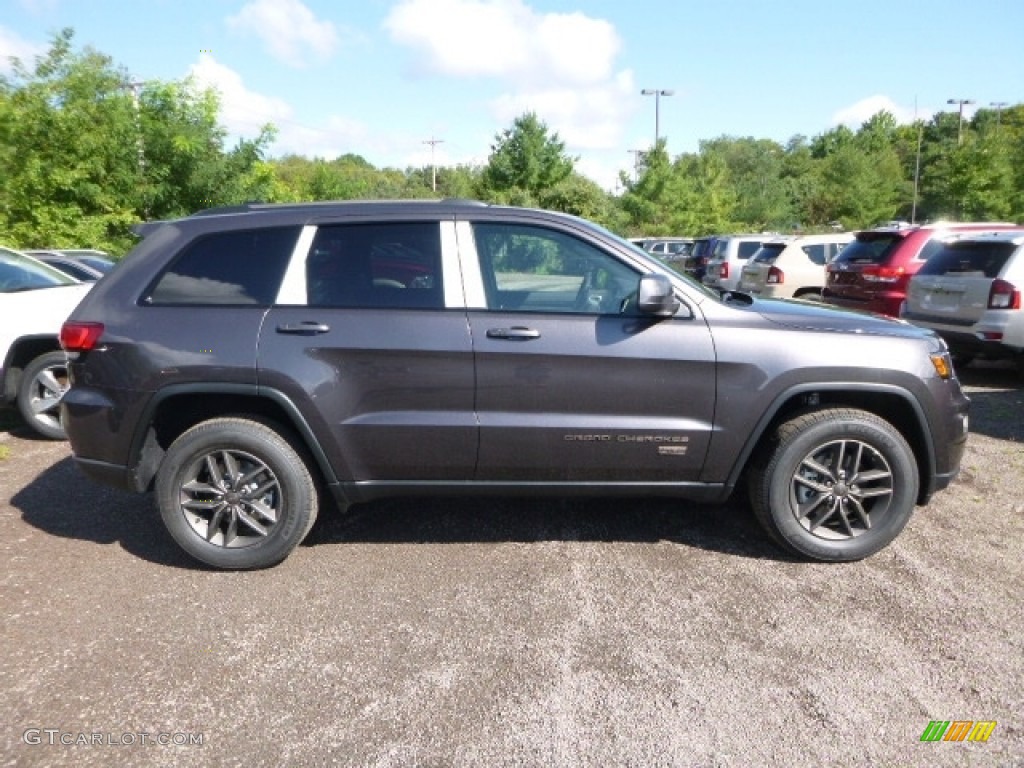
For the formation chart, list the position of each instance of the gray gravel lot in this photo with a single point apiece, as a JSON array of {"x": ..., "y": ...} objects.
[{"x": 495, "y": 632}]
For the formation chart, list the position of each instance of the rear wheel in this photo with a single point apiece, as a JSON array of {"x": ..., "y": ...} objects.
[
  {"x": 236, "y": 494},
  {"x": 43, "y": 384},
  {"x": 836, "y": 485}
]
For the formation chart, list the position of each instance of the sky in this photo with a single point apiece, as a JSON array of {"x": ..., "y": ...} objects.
[{"x": 408, "y": 83}]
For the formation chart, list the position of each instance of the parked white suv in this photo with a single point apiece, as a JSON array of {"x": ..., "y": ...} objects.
[
  {"x": 970, "y": 293},
  {"x": 35, "y": 299},
  {"x": 791, "y": 268},
  {"x": 730, "y": 254}
]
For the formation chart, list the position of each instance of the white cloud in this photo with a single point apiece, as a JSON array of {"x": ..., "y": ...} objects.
[
  {"x": 560, "y": 66},
  {"x": 243, "y": 112},
  {"x": 12, "y": 45},
  {"x": 857, "y": 114},
  {"x": 288, "y": 29},
  {"x": 504, "y": 38},
  {"x": 587, "y": 117}
]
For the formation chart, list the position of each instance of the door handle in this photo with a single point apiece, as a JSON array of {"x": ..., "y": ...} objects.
[
  {"x": 515, "y": 333},
  {"x": 305, "y": 328}
]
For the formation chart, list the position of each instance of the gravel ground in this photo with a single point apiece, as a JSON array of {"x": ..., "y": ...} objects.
[{"x": 501, "y": 633}]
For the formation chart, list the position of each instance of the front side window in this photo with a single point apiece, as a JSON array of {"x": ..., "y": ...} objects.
[
  {"x": 376, "y": 265},
  {"x": 235, "y": 267},
  {"x": 531, "y": 269}
]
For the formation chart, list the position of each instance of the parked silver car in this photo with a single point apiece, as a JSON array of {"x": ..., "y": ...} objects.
[
  {"x": 729, "y": 254},
  {"x": 970, "y": 293}
]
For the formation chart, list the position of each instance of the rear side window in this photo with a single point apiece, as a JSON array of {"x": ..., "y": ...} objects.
[
  {"x": 769, "y": 252},
  {"x": 872, "y": 250},
  {"x": 376, "y": 265},
  {"x": 815, "y": 253},
  {"x": 238, "y": 267},
  {"x": 747, "y": 248},
  {"x": 967, "y": 258}
]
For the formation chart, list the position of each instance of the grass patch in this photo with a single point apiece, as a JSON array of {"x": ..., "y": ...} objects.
[{"x": 5, "y": 452}]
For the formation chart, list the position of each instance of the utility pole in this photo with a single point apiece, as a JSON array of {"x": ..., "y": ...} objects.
[
  {"x": 134, "y": 86},
  {"x": 637, "y": 155},
  {"x": 433, "y": 167},
  {"x": 999, "y": 112}
]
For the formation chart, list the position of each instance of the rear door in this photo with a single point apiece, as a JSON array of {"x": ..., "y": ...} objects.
[
  {"x": 570, "y": 388},
  {"x": 369, "y": 337}
]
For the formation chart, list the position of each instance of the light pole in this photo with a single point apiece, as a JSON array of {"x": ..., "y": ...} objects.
[
  {"x": 960, "y": 130},
  {"x": 657, "y": 93}
]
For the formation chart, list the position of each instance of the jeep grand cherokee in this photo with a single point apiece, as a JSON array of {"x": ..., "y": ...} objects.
[{"x": 241, "y": 360}]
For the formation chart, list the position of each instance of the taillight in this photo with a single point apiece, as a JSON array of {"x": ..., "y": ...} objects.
[
  {"x": 723, "y": 270},
  {"x": 775, "y": 275},
  {"x": 1003, "y": 295},
  {"x": 883, "y": 274},
  {"x": 80, "y": 337}
]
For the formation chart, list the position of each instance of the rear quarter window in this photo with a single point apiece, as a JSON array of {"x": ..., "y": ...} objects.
[
  {"x": 815, "y": 253},
  {"x": 236, "y": 267}
]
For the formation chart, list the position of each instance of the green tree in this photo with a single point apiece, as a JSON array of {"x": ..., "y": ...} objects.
[
  {"x": 525, "y": 161},
  {"x": 754, "y": 172},
  {"x": 64, "y": 126}
]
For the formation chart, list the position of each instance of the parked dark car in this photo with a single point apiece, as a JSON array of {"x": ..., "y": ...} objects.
[
  {"x": 697, "y": 259},
  {"x": 86, "y": 266},
  {"x": 240, "y": 361},
  {"x": 872, "y": 272}
]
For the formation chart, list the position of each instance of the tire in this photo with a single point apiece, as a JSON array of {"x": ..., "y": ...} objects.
[
  {"x": 227, "y": 523},
  {"x": 835, "y": 485},
  {"x": 43, "y": 384}
]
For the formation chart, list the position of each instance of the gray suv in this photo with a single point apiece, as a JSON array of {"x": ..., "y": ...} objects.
[{"x": 241, "y": 362}]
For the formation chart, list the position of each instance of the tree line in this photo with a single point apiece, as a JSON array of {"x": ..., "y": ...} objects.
[{"x": 85, "y": 153}]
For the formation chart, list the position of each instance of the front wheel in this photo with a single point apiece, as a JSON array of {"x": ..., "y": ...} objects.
[
  {"x": 836, "y": 485},
  {"x": 236, "y": 494},
  {"x": 43, "y": 384}
]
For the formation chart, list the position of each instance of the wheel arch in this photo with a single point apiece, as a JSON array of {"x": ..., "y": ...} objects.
[
  {"x": 894, "y": 404},
  {"x": 173, "y": 410},
  {"x": 22, "y": 352}
]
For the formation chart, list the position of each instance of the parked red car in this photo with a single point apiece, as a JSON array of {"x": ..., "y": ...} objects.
[{"x": 872, "y": 272}]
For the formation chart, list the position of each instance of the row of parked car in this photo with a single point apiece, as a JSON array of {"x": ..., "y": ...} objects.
[
  {"x": 962, "y": 280},
  {"x": 38, "y": 290}
]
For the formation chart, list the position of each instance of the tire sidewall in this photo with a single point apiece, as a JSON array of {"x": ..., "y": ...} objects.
[
  {"x": 905, "y": 487},
  {"x": 298, "y": 494}
]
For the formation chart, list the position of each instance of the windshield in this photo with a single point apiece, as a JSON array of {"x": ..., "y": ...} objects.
[{"x": 19, "y": 272}]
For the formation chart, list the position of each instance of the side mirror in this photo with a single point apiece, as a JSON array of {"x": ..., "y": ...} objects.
[{"x": 654, "y": 296}]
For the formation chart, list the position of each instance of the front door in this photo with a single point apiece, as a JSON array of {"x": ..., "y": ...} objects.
[{"x": 569, "y": 387}]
